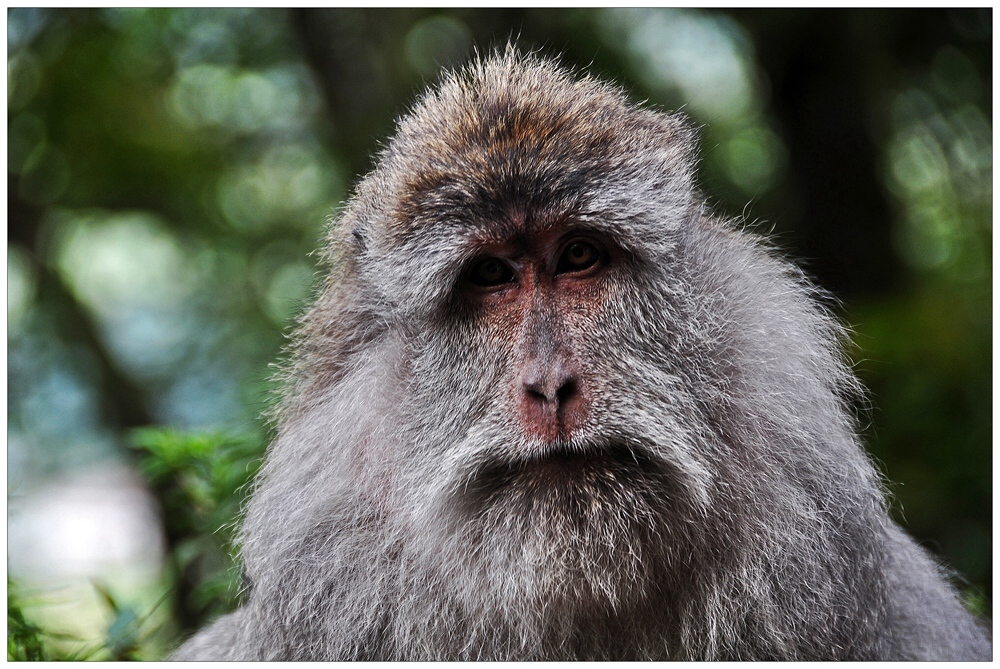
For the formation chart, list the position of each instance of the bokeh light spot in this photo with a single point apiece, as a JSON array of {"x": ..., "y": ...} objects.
[{"x": 435, "y": 42}]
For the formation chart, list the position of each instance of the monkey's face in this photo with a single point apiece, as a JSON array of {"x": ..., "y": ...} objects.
[
  {"x": 559, "y": 453},
  {"x": 557, "y": 450}
]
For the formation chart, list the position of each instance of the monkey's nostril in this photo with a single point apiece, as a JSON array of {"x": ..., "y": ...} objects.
[
  {"x": 534, "y": 393},
  {"x": 566, "y": 391}
]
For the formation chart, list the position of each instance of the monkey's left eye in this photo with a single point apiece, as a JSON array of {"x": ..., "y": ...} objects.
[
  {"x": 578, "y": 256},
  {"x": 490, "y": 272}
]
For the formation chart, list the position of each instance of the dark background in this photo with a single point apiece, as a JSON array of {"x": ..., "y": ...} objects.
[{"x": 171, "y": 170}]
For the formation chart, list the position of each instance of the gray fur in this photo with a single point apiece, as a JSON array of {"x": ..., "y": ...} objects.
[{"x": 731, "y": 512}]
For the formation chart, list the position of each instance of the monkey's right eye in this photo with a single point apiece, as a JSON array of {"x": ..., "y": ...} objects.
[{"x": 490, "y": 272}]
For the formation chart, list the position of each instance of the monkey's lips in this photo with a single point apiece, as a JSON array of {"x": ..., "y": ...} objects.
[{"x": 591, "y": 470}]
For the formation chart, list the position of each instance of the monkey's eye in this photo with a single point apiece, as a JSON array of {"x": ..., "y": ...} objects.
[
  {"x": 490, "y": 272},
  {"x": 578, "y": 256}
]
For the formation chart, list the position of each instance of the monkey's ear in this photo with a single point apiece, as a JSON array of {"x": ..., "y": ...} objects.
[{"x": 360, "y": 240}]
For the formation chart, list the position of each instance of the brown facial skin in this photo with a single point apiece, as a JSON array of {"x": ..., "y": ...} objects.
[{"x": 533, "y": 291}]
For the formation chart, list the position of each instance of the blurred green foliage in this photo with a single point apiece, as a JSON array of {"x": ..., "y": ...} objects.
[
  {"x": 170, "y": 171},
  {"x": 926, "y": 362},
  {"x": 126, "y": 636},
  {"x": 201, "y": 481},
  {"x": 25, "y": 640}
]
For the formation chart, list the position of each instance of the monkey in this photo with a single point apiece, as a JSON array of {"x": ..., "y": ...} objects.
[{"x": 548, "y": 405}]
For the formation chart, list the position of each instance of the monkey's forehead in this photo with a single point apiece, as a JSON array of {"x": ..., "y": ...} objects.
[{"x": 518, "y": 141}]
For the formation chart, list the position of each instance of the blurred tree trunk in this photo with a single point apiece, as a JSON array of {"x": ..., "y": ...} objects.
[{"x": 825, "y": 68}]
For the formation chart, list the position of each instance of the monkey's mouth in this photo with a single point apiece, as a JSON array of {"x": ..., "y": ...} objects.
[{"x": 594, "y": 470}]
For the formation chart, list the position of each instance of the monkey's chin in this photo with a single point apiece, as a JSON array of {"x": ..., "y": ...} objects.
[
  {"x": 589, "y": 494},
  {"x": 581, "y": 527}
]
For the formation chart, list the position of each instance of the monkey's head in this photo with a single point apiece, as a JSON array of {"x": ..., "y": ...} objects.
[{"x": 545, "y": 374}]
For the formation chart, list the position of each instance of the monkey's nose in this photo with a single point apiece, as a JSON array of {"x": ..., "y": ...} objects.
[
  {"x": 552, "y": 404},
  {"x": 549, "y": 388}
]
